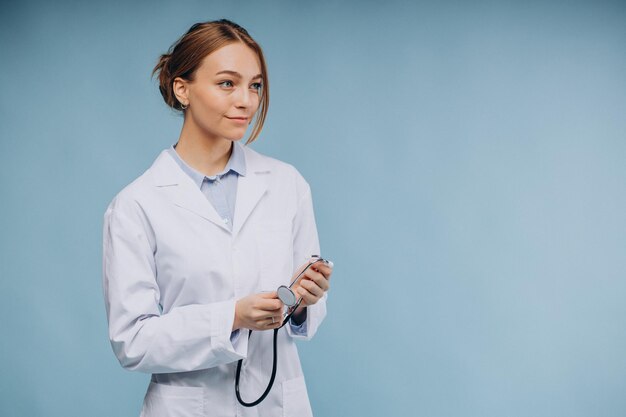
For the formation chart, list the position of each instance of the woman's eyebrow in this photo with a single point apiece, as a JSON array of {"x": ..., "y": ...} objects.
[{"x": 236, "y": 74}]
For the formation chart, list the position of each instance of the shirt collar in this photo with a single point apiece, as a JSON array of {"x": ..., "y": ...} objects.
[{"x": 236, "y": 163}]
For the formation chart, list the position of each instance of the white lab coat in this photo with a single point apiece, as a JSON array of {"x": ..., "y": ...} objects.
[{"x": 172, "y": 273}]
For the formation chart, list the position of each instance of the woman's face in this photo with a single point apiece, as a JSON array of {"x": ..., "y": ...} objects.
[{"x": 224, "y": 94}]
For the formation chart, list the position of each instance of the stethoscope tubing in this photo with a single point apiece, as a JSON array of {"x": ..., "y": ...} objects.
[{"x": 288, "y": 315}]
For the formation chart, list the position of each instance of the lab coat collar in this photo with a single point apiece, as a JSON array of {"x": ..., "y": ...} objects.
[
  {"x": 184, "y": 193},
  {"x": 251, "y": 187}
]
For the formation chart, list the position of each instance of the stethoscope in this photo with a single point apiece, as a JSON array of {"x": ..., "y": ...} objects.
[{"x": 289, "y": 299}]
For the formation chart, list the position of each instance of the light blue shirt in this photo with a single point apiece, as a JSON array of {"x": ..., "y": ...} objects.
[{"x": 220, "y": 189}]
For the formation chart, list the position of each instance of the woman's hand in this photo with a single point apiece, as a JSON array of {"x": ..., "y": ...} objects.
[
  {"x": 262, "y": 311},
  {"x": 311, "y": 287}
]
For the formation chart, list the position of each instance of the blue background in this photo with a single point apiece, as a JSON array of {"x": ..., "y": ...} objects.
[{"x": 468, "y": 164}]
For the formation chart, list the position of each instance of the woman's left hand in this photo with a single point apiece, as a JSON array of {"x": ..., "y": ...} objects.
[
  {"x": 311, "y": 288},
  {"x": 313, "y": 284}
]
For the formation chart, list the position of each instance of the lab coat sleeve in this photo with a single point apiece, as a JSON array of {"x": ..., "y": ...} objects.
[
  {"x": 187, "y": 338},
  {"x": 305, "y": 244}
]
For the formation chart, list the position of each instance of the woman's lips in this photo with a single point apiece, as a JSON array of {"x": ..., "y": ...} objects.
[{"x": 241, "y": 120}]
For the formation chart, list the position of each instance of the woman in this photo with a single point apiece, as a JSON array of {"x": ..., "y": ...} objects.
[{"x": 195, "y": 248}]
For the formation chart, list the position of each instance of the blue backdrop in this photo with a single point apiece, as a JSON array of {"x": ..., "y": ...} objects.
[{"x": 468, "y": 164}]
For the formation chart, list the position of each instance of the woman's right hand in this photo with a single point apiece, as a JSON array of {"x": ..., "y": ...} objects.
[{"x": 262, "y": 311}]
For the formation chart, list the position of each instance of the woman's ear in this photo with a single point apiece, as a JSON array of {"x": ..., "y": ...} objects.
[{"x": 181, "y": 90}]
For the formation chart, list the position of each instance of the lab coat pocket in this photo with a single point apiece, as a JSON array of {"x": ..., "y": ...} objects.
[
  {"x": 275, "y": 246},
  {"x": 295, "y": 398},
  {"x": 173, "y": 401}
]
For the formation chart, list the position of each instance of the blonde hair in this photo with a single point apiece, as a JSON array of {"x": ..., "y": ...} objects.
[{"x": 185, "y": 56}]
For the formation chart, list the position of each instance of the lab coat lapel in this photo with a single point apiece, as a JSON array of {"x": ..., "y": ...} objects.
[
  {"x": 182, "y": 191},
  {"x": 250, "y": 188}
]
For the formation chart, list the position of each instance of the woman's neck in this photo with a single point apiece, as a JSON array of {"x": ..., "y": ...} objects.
[{"x": 206, "y": 155}]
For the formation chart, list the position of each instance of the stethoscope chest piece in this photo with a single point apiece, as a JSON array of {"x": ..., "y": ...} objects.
[{"x": 286, "y": 296}]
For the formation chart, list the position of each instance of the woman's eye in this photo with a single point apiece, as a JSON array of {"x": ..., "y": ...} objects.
[
  {"x": 226, "y": 83},
  {"x": 257, "y": 86}
]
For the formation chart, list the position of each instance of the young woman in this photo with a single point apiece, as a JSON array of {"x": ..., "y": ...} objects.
[{"x": 195, "y": 248}]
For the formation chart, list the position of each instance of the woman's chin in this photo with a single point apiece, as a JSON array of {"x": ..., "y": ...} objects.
[{"x": 236, "y": 136}]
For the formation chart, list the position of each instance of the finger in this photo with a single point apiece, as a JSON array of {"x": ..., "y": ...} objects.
[
  {"x": 312, "y": 287},
  {"x": 319, "y": 279},
  {"x": 323, "y": 283},
  {"x": 260, "y": 315},
  {"x": 324, "y": 269},
  {"x": 269, "y": 304},
  {"x": 271, "y": 322},
  {"x": 269, "y": 294},
  {"x": 307, "y": 298}
]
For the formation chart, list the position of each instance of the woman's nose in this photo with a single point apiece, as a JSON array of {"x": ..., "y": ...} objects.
[{"x": 243, "y": 98}]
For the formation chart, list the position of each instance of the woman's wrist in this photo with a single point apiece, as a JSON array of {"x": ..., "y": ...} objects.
[{"x": 299, "y": 316}]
